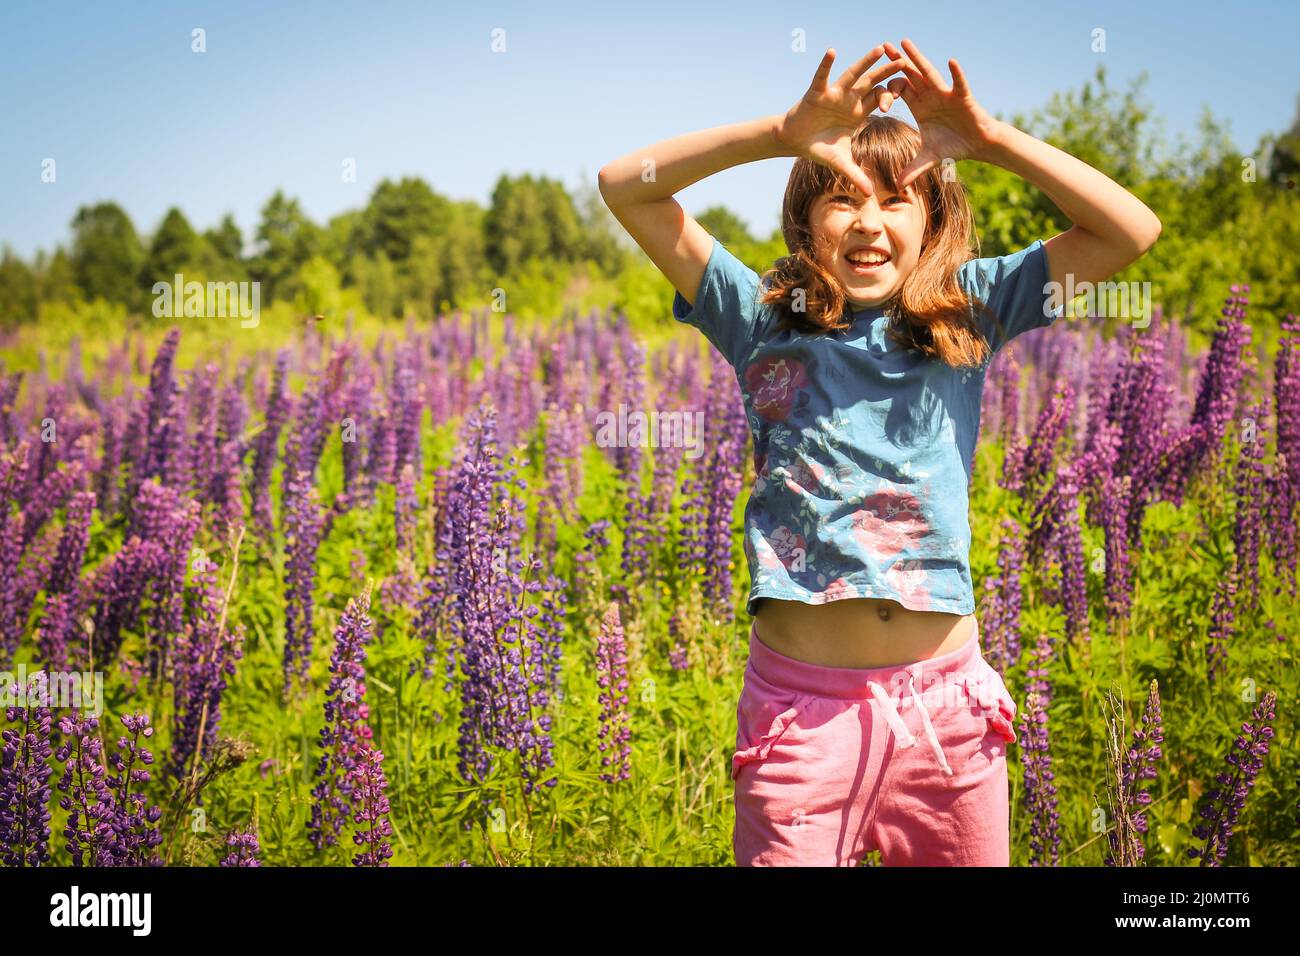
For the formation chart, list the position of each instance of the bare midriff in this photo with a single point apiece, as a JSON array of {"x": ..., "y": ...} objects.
[{"x": 858, "y": 632}]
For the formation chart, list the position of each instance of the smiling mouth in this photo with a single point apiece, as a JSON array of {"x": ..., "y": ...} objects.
[{"x": 867, "y": 268}]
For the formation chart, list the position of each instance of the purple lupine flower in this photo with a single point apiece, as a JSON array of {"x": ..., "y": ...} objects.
[
  {"x": 228, "y": 483},
  {"x": 611, "y": 676},
  {"x": 134, "y": 820},
  {"x": 49, "y": 496},
  {"x": 205, "y": 657},
  {"x": 163, "y": 515},
  {"x": 507, "y": 656},
  {"x": 303, "y": 525},
  {"x": 120, "y": 585},
  {"x": 1138, "y": 407},
  {"x": 433, "y": 605},
  {"x": 1216, "y": 400},
  {"x": 1038, "y": 456},
  {"x": 1135, "y": 764},
  {"x": 1074, "y": 573},
  {"x": 402, "y": 589},
  {"x": 201, "y": 398},
  {"x": 1248, "y": 521},
  {"x": 1146, "y": 747},
  {"x": 159, "y": 403},
  {"x": 562, "y": 470},
  {"x": 72, "y": 545},
  {"x": 1119, "y": 579},
  {"x": 346, "y": 730},
  {"x": 371, "y": 815},
  {"x": 88, "y": 799},
  {"x": 243, "y": 848},
  {"x": 357, "y": 486},
  {"x": 1009, "y": 403},
  {"x": 173, "y": 463},
  {"x": 408, "y": 402},
  {"x": 266, "y": 445},
  {"x": 1039, "y": 795},
  {"x": 1225, "y": 802},
  {"x": 383, "y": 449},
  {"x": 58, "y": 624},
  {"x": 1004, "y": 595},
  {"x": 727, "y": 429},
  {"x": 13, "y": 614},
  {"x": 25, "y": 778},
  {"x": 1285, "y": 480},
  {"x": 113, "y": 428}
]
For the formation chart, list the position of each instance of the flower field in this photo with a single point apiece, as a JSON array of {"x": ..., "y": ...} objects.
[{"x": 391, "y": 596}]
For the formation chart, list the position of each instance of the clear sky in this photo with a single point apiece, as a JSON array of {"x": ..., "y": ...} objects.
[{"x": 286, "y": 92}]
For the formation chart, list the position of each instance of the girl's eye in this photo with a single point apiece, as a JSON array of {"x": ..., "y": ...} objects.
[{"x": 846, "y": 200}]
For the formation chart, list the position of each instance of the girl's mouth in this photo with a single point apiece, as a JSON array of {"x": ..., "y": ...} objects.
[{"x": 863, "y": 269}]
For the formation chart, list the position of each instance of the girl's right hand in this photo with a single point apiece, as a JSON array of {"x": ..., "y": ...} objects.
[{"x": 820, "y": 126}]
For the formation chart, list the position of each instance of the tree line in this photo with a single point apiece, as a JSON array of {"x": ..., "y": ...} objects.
[{"x": 1229, "y": 216}]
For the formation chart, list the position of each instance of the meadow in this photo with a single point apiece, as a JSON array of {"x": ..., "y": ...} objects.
[{"x": 366, "y": 592}]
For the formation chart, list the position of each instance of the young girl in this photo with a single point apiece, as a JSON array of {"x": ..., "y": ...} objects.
[{"x": 869, "y": 718}]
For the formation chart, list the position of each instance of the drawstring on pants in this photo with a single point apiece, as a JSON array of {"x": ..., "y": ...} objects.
[{"x": 905, "y": 738}]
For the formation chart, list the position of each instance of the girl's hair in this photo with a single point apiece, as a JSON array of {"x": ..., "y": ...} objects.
[{"x": 930, "y": 312}]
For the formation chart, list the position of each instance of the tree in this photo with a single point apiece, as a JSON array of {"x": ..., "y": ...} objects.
[
  {"x": 174, "y": 248},
  {"x": 286, "y": 239},
  {"x": 725, "y": 226},
  {"x": 396, "y": 214},
  {"x": 530, "y": 218},
  {"x": 17, "y": 291},
  {"x": 106, "y": 254},
  {"x": 226, "y": 240}
]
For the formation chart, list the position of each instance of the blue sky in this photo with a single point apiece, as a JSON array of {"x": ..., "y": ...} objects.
[{"x": 286, "y": 92}]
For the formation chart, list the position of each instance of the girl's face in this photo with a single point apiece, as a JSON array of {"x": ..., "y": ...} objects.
[{"x": 890, "y": 223}]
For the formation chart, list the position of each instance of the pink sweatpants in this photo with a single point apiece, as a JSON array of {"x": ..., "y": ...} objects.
[{"x": 834, "y": 762}]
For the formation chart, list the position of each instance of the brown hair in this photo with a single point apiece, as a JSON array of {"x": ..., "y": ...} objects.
[{"x": 930, "y": 312}]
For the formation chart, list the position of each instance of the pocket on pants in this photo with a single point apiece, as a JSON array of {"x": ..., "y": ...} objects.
[
  {"x": 763, "y": 717},
  {"x": 988, "y": 692}
]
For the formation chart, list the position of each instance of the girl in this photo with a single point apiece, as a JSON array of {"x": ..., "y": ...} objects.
[{"x": 861, "y": 358}]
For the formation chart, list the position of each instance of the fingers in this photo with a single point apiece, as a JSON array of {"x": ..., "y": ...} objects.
[
  {"x": 900, "y": 88},
  {"x": 853, "y": 73},
  {"x": 884, "y": 99},
  {"x": 823, "y": 70},
  {"x": 927, "y": 68},
  {"x": 917, "y": 80},
  {"x": 854, "y": 173},
  {"x": 913, "y": 170},
  {"x": 959, "y": 84}
]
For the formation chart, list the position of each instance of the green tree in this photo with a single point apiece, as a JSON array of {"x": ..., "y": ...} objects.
[
  {"x": 174, "y": 248},
  {"x": 17, "y": 291},
  {"x": 286, "y": 239},
  {"x": 531, "y": 219},
  {"x": 397, "y": 213},
  {"x": 106, "y": 254},
  {"x": 725, "y": 226},
  {"x": 226, "y": 240}
]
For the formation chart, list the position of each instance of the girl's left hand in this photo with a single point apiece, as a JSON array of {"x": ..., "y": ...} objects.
[{"x": 951, "y": 123}]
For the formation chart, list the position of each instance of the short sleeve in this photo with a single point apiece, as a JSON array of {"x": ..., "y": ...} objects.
[
  {"x": 726, "y": 307},
  {"x": 1015, "y": 288}
]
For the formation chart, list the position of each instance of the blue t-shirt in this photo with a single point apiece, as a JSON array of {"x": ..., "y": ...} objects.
[{"x": 862, "y": 448}]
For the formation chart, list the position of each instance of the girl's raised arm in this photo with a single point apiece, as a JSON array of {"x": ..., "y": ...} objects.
[
  {"x": 639, "y": 187},
  {"x": 1112, "y": 227}
]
